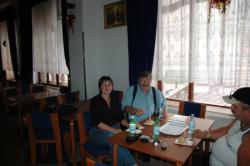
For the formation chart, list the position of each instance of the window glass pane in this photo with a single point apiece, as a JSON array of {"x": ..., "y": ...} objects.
[
  {"x": 63, "y": 79},
  {"x": 10, "y": 75},
  {"x": 43, "y": 78}
]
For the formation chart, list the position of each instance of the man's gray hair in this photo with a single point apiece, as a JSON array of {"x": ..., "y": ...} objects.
[{"x": 144, "y": 74}]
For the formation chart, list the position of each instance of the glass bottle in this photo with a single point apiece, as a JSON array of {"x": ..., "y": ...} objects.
[
  {"x": 132, "y": 125},
  {"x": 191, "y": 126},
  {"x": 161, "y": 109},
  {"x": 156, "y": 130}
]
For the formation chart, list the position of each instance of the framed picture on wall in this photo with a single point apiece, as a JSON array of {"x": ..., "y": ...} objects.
[{"x": 115, "y": 14}]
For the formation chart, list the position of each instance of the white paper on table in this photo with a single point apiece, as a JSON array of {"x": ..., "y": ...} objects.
[{"x": 175, "y": 126}]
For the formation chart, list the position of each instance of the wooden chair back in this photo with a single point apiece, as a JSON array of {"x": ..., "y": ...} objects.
[
  {"x": 191, "y": 91},
  {"x": 54, "y": 100},
  {"x": 83, "y": 141},
  {"x": 187, "y": 108},
  {"x": 73, "y": 97},
  {"x": 118, "y": 94},
  {"x": 10, "y": 92},
  {"x": 90, "y": 162},
  {"x": 81, "y": 127},
  {"x": 43, "y": 122}
]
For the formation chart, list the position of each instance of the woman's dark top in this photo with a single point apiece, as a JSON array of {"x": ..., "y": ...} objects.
[{"x": 100, "y": 111}]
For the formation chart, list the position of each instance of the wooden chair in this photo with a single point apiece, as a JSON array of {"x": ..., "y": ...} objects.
[
  {"x": 190, "y": 91},
  {"x": 10, "y": 110},
  {"x": 26, "y": 89},
  {"x": 187, "y": 108},
  {"x": 43, "y": 128},
  {"x": 198, "y": 109},
  {"x": 49, "y": 101},
  {"x": 90, "y": 162},
  {"x": 73, "y": 97},
  {"x": 38, "y": 88},
  {"x": 10, "y": 92},
  {"x": 118, "y": 94},
  {"x": 88, "y": 149}
]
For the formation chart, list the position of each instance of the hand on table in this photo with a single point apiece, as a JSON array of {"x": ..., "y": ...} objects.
[
  {"x": 139, "y": 126},
  {"x": 200, "y": 134},
  {"x": 139, "y": 112},
  {"x": 116, "y": 131}
]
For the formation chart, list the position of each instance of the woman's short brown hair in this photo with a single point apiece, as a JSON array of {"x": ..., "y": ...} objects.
[{"x": 104, "y": 79}]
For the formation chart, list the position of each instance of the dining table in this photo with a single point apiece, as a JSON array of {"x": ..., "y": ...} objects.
[{"x": 174, "y": 153}]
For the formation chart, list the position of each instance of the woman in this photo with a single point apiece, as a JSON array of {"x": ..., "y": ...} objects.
[
  {"x": 232, "y": 146},
  {"x": 106, "y": 116}
]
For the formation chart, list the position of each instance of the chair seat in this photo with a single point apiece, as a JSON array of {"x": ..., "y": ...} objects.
[{"x": 96, "y": 150}]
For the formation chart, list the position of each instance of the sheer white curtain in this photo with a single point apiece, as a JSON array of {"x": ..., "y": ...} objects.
[
  {"x": 5, "y": 50},
  {"x": 48, "y": 50},
  {"x": 188, "y": 48}
]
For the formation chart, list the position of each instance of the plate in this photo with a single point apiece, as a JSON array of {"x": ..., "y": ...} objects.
[
  {"x": 140, "y": 127},
  {"x": 149, "y": 122},
  {"x": 137, "y": 131},
  {"x": 172, "y": 129},
  {"x": 183, "y": 141}
]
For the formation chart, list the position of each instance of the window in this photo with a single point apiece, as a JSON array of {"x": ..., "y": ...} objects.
[
  {"x": 5, "y": 51},
  {"x": 188, "y": 48},
  {"x": 51, "y": 79},
  {"x": 48, "y": 51}
]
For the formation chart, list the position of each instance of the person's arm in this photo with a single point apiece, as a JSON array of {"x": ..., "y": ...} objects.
[
  {"x": 95, "y": 112},
  {"x": 213, "y": 135},
  {"x": 243, "y": 154},
  {"x": 106, "y": 127},
  {"x": 133, "y": 111},
  {"x": 125, "y": 123}
]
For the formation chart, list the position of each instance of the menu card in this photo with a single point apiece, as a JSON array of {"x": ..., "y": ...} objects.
[{"x": 176, "y": 125}]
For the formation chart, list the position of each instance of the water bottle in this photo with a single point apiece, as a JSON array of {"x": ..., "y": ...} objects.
[
  {"x": 161, "y": 111},
  {"x": 191, "y": 126},
  {"x": 132, "y": 126},
  {"x": 156, "y": 130}
]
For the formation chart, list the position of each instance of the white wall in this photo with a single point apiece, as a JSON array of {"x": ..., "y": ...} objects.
[
  {"x": 76, "y": 51},
  {"x": 106, "y": 50},
  {"x": 114, "y": 55},
  {"x": 91, "y": 29}
]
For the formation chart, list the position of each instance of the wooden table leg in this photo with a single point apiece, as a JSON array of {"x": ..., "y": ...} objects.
[
  {"x": 115, "y": 146},
  {"x": 73, "y": 146},
  {"x": 19, "y": 107},
  {"x": 178, "y": 164},
  {"x": 190, "y": 160},
  {"x": 207, "y": 146}
]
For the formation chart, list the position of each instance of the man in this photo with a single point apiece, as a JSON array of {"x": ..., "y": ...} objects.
[
  {"x": 232, "y": 146},
  {"x": 142, "y": 100}
]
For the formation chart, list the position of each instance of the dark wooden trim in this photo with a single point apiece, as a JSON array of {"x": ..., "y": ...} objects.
[
  {"x": 39, "y": 77},
  {"x": 57, "y": 79},
  {"x": 208, "y": 104},
  {"x": 47, "y": 75}
]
